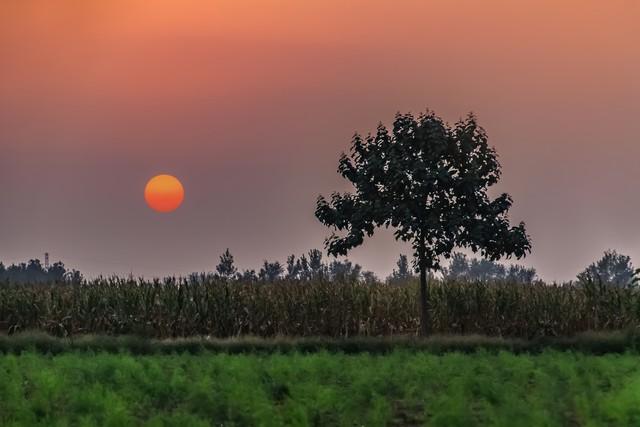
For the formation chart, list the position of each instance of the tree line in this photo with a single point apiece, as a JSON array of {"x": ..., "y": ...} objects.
[
  {"x": 34, "y": 272},
  {"x": 612, "y": 269}
]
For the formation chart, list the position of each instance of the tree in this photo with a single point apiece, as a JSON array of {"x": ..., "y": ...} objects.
[
  {"x": 74, "y": 277},
  {"x": 458, "y": 267},
  {"x": 344, "y": 271},
  {"x": 35, "y": 271},
  {"x": 305, "y": 270},
  {"x": 316, "y": 267},
  {"x": 294, "y": 268},
  {"x": 612, "y": 269},
  {"x": 485, "y": 270},
  {"x": 270, "y": 271},
  {"x": 226, "y": 267},
  {"x": 57, "y": 272},
  {"x": 249, "y": 276},
  {"x": 521, "y": 274},
  {"x": 403, "y": 273},
  {"x": 429, "y": 181},
  {"x": 369, "y": 277}
]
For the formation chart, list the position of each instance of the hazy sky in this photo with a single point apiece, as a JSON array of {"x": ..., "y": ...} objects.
[{"x": 250, "y": 103}]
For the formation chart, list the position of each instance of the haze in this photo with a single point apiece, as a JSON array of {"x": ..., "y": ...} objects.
[{"x": 250, "y": 104}]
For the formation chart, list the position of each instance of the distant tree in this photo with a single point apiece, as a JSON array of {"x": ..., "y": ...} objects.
[
  {"x": 369, "y": 278},
  {"x": 484, "y": 270},
  {"x": 294, "y": 268},
  {"x": 458, "y": 267},
  {"x": 521, "y": 274},
  {"x": 17, "y": 273},
  {"x": 34, "y": 272},
  {"x": 74, "y": 277},
  {"x": 226, "y": 268},
  {"x": 612, "y": 269},
  {"x": 248, "y": 276},
  {"x": 403, "y": 272},
  {"x": 316, "y": 267},
  {"x": 344, "y": 271},
  {"x": 270, "y": 271},
  {"x": 305, "y": 269},
  {"x": 429, "y": 181},
  {"x": 57, "y": 272}
]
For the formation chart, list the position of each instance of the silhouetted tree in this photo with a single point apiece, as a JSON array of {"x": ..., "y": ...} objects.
[
  {"x": 226, "y": 268},
  {"x": 270, "y": 271},
  {"x": 344, "y": 271},
  {"x": 369, "y": 277},
  {"x": 458, "y": 267},
  {"x": 249, "y": 276},
  {"x": 317, "y": 268},
  {"x": 74, "y": 277},
  {"x": 305, "y": 269},
  {"x": 612, "y": 269},
  {"x": 429, "y": 181},
  {"x": 34, "y": 272},
  {"x": 521, "y": 274},
  {"x": 484, "y": 270},
  {"x": 294, "y": 268},
  {"x": 403, "y": 273},
  {"x": 57, "y": 272}
]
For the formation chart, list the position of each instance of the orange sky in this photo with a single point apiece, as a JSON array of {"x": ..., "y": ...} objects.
[{"x": 250, "y": 103}]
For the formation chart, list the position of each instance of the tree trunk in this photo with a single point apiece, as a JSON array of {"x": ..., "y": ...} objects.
[{"x": 424, "y": 300}]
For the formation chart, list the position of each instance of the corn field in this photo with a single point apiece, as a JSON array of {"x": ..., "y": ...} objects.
[{"x": 177, "y": 308}]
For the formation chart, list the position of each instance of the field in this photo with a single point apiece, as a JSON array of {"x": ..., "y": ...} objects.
[
  {"x": 204, "y": 307},
  {"x": 207, "y": 352},
  {"x": 400, "y": 388}
]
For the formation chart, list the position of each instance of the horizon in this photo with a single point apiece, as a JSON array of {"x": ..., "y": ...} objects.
[{"x": 250, "y": 106}]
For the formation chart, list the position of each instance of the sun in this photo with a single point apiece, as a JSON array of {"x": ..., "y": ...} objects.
[{"x": 164, "y": 193}]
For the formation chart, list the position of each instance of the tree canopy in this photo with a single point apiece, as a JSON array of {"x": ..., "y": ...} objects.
[
  {"x": 429, "y": 181},
  {"x": 613, "y": 269}
]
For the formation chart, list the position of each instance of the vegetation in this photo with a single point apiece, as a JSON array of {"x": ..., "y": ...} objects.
[
  {"x": 34, "y": 272},
  {"x": 612, "y": 269},
  {"x": 430, "y": 182},
  {"x": 588, "y": 343},
  {"x": 461, "y": 268},
  {"x": 222, "y": 308},
  {"x": 553, "y": 389},
  {"x": 403, "y": 272}
]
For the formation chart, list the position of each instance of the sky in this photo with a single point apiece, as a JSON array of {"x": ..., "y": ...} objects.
[{"x": 250, "y": 103}]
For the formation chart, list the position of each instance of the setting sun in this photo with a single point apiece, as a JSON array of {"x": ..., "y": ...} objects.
[{"x": 164, "y": 193}]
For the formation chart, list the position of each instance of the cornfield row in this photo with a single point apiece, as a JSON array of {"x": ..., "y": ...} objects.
[{"x": 175, "y": 308}]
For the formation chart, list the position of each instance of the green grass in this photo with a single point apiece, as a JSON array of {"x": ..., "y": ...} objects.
[{"x": 323, "y": 389}]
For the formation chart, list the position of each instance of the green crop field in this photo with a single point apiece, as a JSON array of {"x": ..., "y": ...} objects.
[
  {"x": 322, "y": 389},
  {"x": 181, "y": 308}
]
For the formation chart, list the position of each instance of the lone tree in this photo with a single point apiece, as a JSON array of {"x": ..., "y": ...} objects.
[{"x": 427, "y": 180}]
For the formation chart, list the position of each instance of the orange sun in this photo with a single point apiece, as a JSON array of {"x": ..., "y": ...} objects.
[{"x": 164, "y": 193}]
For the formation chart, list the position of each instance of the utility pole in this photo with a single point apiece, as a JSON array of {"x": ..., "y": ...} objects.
[{"x": 46, "y": 260}]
